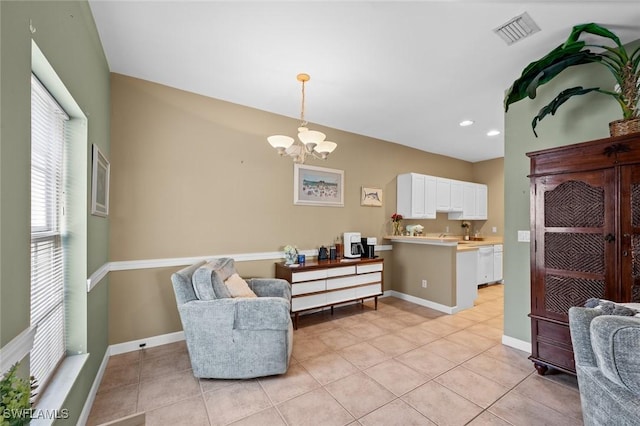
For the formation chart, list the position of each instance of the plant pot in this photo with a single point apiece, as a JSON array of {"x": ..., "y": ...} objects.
[{"x": 624, "y": 127}]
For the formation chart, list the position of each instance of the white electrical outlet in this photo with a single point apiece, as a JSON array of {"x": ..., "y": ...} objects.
[
  {"x": 494, "y": 229},
  {"x": 424, "y": 283},
  {"x": 446, "y": 229},
  {"x": 524, "y": 236}
]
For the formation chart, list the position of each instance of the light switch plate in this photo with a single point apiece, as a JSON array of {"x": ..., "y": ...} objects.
[{"x": 524, "y": 236}]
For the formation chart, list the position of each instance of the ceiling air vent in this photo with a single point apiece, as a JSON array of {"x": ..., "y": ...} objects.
[{"x": 517, "y": 28}]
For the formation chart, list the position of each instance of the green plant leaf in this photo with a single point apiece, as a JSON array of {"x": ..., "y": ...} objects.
[
  {"x": 594, "y": 29},
  {"x": 553, "y": 106},
  {"x": 545, "y": 69},
  {"x": 552, "y": 70}
]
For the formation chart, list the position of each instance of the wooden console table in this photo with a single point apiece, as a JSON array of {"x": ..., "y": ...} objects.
[{"x": 319, "y": 284}]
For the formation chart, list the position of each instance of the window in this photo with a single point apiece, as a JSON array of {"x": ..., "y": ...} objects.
[{"x": 47, "y": 268}]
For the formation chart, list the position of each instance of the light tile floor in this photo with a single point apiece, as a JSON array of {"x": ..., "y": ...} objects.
[{"x": 403, "y": 364}]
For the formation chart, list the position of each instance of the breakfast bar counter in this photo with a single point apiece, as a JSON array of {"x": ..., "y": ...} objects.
[{"x": 437, "y": 272}]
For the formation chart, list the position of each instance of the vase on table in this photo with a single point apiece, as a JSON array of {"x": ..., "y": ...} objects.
[
  {"x": 396, "y": 228},
  {"x": 290, "y": 255}
]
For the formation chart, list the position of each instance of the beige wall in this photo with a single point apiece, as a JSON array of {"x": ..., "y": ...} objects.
[{"x": 195, "y": 176}]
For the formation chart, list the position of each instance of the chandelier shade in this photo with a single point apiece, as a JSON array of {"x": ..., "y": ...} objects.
[{"x": 309, "y": 143}]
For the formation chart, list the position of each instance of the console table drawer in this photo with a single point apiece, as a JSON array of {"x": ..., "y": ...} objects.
[
  {"x": 308, "y": 287},
  {"x": 344, "y": 270},
  {"x": 341, "y": 295},
  {"x": 363, "y": 269},
  {"x": 369, "y": 290},
  {"x": 308, "y": 302},
  {"x": 308, "y": 275},
  {"x": 353, "y": 280}
]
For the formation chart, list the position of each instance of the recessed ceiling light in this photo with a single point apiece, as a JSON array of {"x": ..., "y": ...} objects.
[
  {"x": 466, "y": 123},
  {"x": 493, "y": 132}
]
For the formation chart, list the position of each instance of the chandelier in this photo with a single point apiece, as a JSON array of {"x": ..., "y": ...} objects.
[{"x": 310, "y": 143}]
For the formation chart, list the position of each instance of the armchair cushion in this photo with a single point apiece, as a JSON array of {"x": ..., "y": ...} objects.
[
  {"x": 208, "y": 279},
  {"x": 238, "y": 287}
]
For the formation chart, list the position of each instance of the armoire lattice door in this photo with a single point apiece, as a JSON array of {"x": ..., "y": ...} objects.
[{"x": 585, "y": 223}]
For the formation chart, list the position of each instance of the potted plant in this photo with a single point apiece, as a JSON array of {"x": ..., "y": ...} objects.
[
  {"x": 16, "y": 398},
  {"x": 466, "y": 227},
  {"x": 625, "y": 67}
]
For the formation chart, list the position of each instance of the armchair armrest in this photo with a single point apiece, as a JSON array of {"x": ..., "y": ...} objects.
[
  {"x": 262, "y": 313},
  {"x": 270, "y": 287}
]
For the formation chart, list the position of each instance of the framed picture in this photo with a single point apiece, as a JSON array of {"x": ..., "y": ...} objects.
[
  {"x": 371, "y": 197},
  {"x": 318, "y": 186},
  {"x": 99, "y": 183}
]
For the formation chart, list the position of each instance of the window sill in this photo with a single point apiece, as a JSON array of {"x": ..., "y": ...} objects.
[{"x": 49, "y": 407}]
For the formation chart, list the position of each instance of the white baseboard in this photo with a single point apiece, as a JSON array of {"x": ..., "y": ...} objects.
[
  {"x": 149, "y": 342},
  {"x": 422, "y": 302},
  {"x": 84, "y": 415},
  {"x": 516, "y": 343},
  {"x": 118, "y": 349}
]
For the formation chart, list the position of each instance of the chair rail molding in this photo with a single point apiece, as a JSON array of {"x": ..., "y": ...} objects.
[
  {"x": 130, "y": 265},
  {"x": 16, "y": 349}
]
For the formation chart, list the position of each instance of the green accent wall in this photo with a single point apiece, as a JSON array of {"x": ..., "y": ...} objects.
[
  {"x": 580, "y": 119},
  {"x": 66, "y": 34}
]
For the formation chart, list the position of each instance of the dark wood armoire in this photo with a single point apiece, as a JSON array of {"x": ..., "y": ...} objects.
[{"x": 585, "y": 235}]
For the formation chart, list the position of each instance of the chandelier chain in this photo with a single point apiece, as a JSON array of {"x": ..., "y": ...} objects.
[{"x": 303, "y": 121}]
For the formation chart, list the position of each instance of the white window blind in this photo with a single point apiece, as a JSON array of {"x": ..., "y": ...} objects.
[{"x": 47, "y": 269}]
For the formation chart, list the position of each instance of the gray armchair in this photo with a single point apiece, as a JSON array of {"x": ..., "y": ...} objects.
[
  {"x": 233, "y": 338},
  {"x": 607, "y": 355}
]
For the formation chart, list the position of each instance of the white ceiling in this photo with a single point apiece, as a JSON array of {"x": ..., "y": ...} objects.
[{"x": 405, "y": 72}]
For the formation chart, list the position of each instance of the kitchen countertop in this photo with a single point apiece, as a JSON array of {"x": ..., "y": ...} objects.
[{"x": 462, "y": 245}]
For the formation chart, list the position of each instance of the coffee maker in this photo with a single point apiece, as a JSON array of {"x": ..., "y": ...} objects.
[
  {"x": 369, "y": 246},
  {"x": 352, "y": 245}
]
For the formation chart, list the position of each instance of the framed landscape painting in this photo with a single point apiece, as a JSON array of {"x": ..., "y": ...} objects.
[{"x": 318, "y": 186}]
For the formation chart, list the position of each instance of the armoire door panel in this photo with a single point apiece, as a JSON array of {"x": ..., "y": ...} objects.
[
  {"x": 573, "y": 253},
  {"x": 630, "y": 231}
]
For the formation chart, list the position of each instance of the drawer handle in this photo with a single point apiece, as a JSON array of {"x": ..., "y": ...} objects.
[{"x": 610, "y": 238}]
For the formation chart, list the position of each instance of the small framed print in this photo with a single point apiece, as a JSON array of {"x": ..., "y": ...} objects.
[
  {"x": 99, "y": 183},
  {"x": 371, "y": 197}
]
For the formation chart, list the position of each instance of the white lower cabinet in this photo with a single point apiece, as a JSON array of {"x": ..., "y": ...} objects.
[
  {"x": 327, "y": 283},
  {"x": 466, "y": 275}
]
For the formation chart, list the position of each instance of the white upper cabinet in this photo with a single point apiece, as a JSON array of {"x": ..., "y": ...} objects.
[
  {"x": 457, "y": 196},
  {"x": 421, "y": 196},
  {"x": 443, "y": 195},
  {"x": 474, "y": 202},
  {"x": 449, "y": 196},
  {"x": 416, "y": 196},
  {"x": 481, "y": 201}
]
